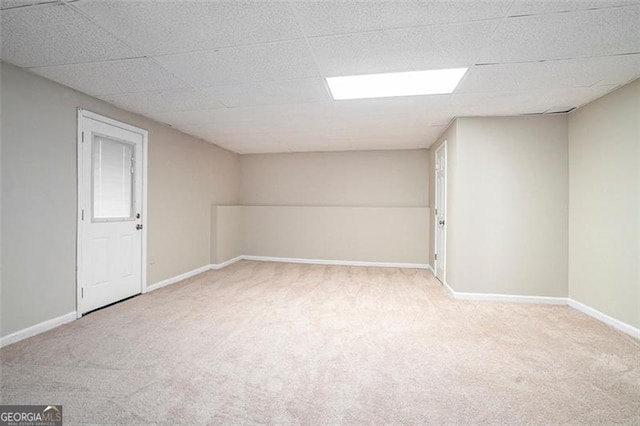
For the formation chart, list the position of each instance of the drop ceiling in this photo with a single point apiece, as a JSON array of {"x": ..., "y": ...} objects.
[{"x": 249, "y": 75}]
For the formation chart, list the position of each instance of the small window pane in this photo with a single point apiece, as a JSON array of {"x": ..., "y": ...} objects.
[{"x": 112, "y": 179}]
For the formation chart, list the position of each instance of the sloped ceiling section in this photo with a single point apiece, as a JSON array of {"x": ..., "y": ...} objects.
[{"x": 250, "y": 75}]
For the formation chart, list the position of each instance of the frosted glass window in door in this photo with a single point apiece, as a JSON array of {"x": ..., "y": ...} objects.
[{"x": 112, "y": 167}]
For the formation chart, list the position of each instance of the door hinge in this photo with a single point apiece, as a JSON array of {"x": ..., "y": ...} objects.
[
  {"x": 82, "y": 137},
  {"x": 82, "y": 214},
  {"x": 436, "y": 256},
  {"x": 436, "y": 212},
  {"x": 82, "y": 293}
]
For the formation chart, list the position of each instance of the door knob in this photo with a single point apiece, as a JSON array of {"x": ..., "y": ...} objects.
[
  {"x": 441, "y": 222},
  {"x": 138, "y": 227}
]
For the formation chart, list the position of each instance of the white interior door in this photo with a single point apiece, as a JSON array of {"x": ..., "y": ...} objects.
[
  {"x": 441, "y": 212},
  {"x": 110, "y": 223}
]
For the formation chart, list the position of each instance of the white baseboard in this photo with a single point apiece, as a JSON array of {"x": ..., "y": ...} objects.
[
  {"x": 617, "y": 324},
  {"x": 37, "y": 329},
  {"x": 177, "y": 278},
  {"x": 216, "y": 266},
  {"x": 448, "y": 288},
  {"x": 594, "y": 313},
  {"x": 337, "y": 262},
  {"x": 507, "y": 298},
  {"x": 512, "y": 298},
  {"x": 189, "y": 274}
]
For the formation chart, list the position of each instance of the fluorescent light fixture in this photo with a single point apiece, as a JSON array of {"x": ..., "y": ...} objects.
[{"x": 431, "y": 82}]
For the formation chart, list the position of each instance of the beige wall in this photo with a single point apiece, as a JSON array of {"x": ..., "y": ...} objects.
[
  {"x": 186, "y": 176},
  {"x": 358, "y": 178},
  {"x": 226, "y": 235},
  {"x": 368, "y": 234},
  {"x": 507, "y": 206},
  {"x": 351, "y": 206},
  {"x": 604, "y": 204}
]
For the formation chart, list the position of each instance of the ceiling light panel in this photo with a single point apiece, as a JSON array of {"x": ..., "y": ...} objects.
[{"x": 430, "y": 82}]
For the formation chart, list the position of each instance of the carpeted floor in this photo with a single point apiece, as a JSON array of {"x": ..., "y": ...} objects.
[{"x": 283, "y": 343}]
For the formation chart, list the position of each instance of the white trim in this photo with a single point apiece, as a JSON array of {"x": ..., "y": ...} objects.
[
  {"x": 507, "y": 298},
  {"x": 85, "y": 114},
  {"x": 337, "y": 262},
  {"x": 594, "y": 313},
  {"x": 104, "y": 119},
  {"x": 443, "y": 256},
  {"x": 511, "y": 298},
  {"x": 192, "y": 273},
  {"x": 430, "y": 268},
  {"x": 216, "y": 266},
  {"x": 145, "y": 211},
  {"x": 448, "y": 288},
  {"x": 37, "y": 329},
  {"x": 177, "y": 278},
  {"x": 79, "y": 179}
]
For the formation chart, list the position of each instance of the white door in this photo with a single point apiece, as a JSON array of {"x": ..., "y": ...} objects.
[
  {"x": 441, "y": 212},
  {"x": 110, "y": 197}
]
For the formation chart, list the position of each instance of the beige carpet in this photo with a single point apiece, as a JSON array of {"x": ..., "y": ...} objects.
[{"x": 282, "y": 343}]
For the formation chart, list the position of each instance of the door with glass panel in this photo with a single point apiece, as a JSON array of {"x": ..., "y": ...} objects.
[{"x": 110, "y": 210}]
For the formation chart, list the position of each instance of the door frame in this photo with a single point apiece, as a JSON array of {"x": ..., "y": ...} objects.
[
  {"x": 443, "y": 146},
  {"x": 83, "y": 115}
]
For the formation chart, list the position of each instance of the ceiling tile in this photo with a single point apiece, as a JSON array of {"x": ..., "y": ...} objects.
[
  {"x": 409, "y": 49},
  {"x": 272, "y": 92},
  {"x": 162, "y": 101},
  {"x": 498, "y": 104},
  {"x": 345, "y": 17},
  {"x": 599, "y": 32},
  {"x": 574, "y": 98},
  {"x": 410, "y": 111},
  {"x": 54, "y": 34},
  {"x": 241, "y": 141},
  {"x": 538, "y": 7},
  {"x": 186, "y": 118},
  {"x": 7, "y": 4},
  {"x": 595, "y": 4},
  {"x": 515, "y": 103},
  {"x": 248, "y": 64},
  {"x": 541, "y": 7},
  {"x": 551, "y": 75},
  {"x": 114, "y": 77},
  {"x": 314, "y": 117},
  {"x": 240, "y": 117},
  {"x": 400, "y": 122},
  {"x": 161, "y": 27},
  {"x": 394, "y": 137}
]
